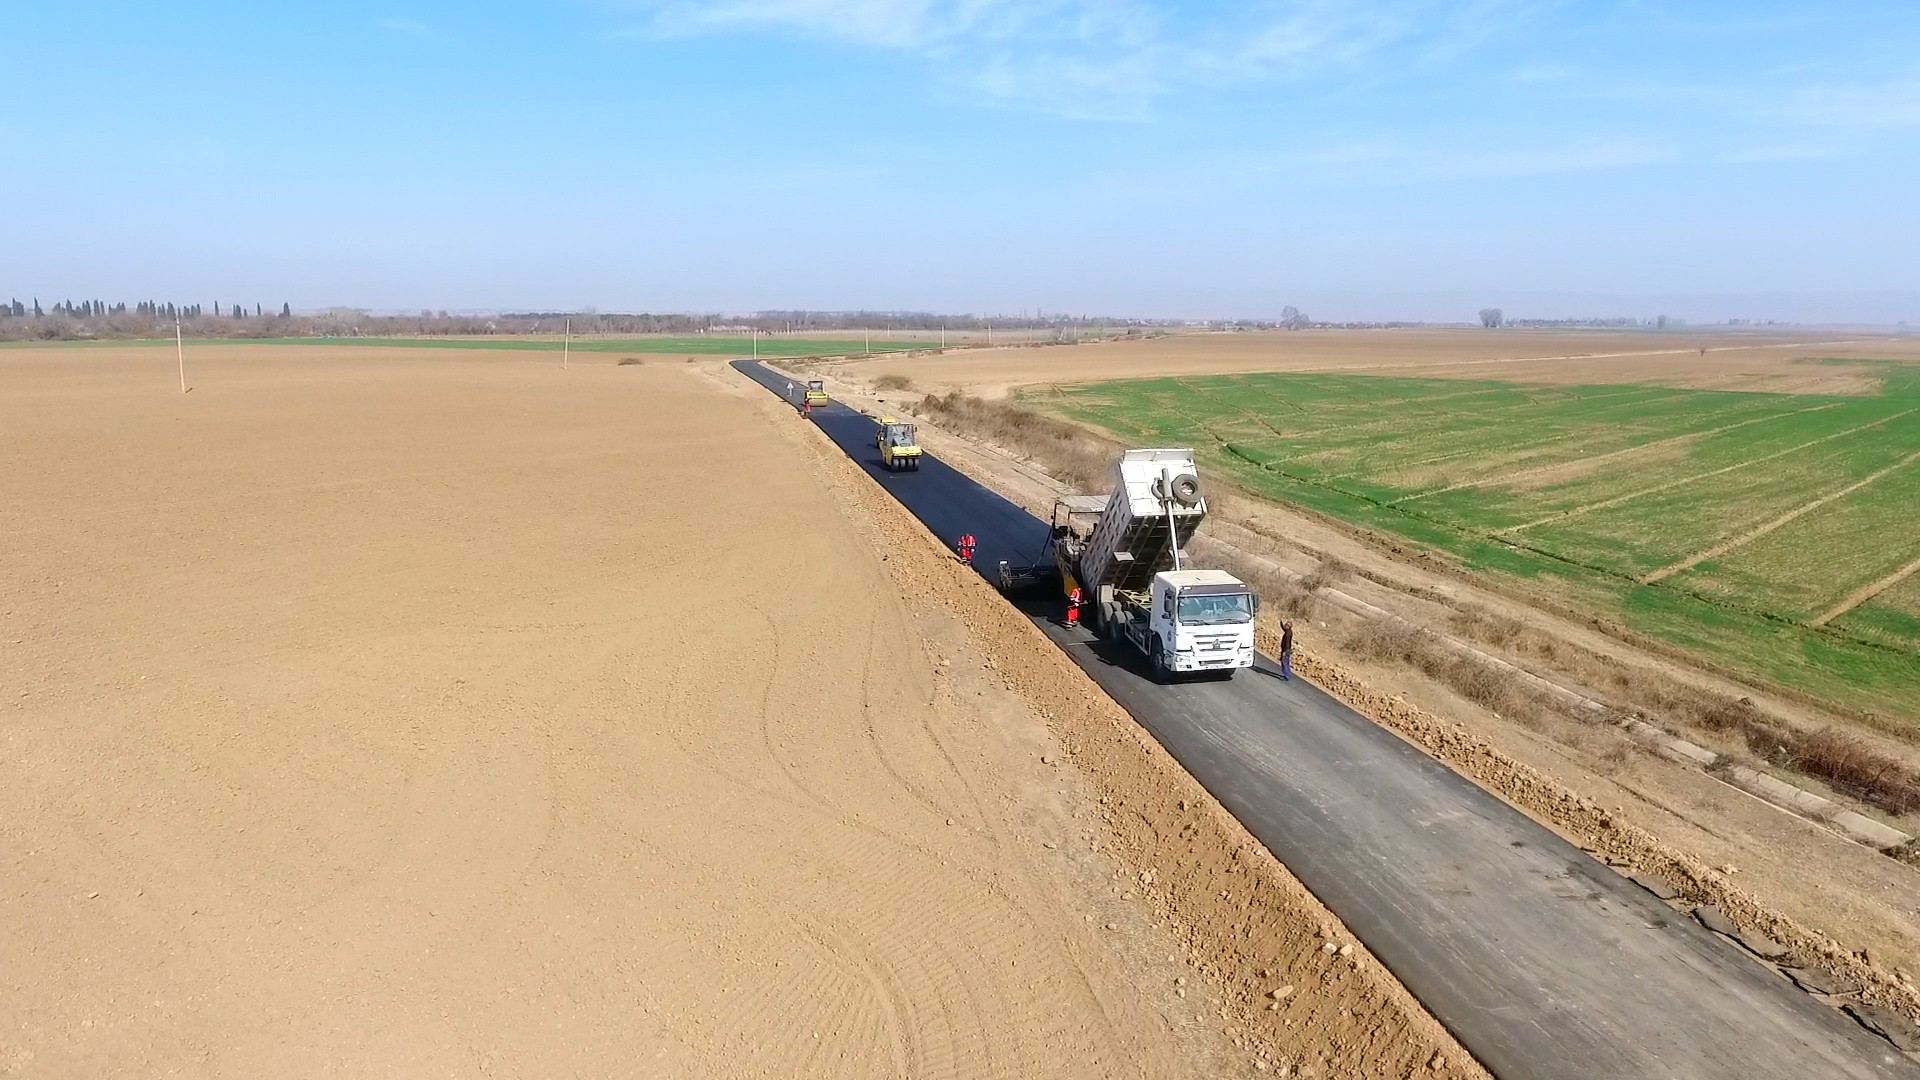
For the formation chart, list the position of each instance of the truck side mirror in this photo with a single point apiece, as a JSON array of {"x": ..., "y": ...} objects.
[{"x": 1256, "y": 602}]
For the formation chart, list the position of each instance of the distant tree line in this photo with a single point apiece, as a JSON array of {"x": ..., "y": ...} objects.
[
  {"x": 89, "y": 319},
  {"x": 81, "y": 319},
  {"x": 1492, "y": 318}
]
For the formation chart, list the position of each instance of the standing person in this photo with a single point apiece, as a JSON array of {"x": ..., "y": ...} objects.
[
  {"x": 1073, "y": 606},
  {"x": 966, "y": 546},
  {"x": 1286, "y": 649}
]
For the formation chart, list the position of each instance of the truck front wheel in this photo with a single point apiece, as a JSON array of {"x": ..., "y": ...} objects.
[{"x": 1157, "y": 660}]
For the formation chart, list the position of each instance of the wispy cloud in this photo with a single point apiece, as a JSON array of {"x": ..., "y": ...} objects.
[
  {"x": 1796, "y": 112},
  {"x": 1544, "y": 74},
  {"x": 1107, "y": 59},
  {"x": 1410, "y": 161},
  {"x": 1783, "y": 152},
  {"x": 1889, "y": 104},
  {"x": 413, "y": 28}
]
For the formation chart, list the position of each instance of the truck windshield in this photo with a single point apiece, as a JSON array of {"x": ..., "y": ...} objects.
[{"x": 1215, "y": 610}]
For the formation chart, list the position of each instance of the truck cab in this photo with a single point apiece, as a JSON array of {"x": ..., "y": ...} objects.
[{"x": 1199, "y": 620}]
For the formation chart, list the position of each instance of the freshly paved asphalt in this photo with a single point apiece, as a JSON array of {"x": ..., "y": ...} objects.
[{"x": 1542, "y": 961}]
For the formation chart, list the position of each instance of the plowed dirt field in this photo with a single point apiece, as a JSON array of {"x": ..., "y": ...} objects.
[{"x": 415, "y": 713}]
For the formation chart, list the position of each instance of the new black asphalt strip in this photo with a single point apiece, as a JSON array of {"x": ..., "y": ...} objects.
[{"x": 1542, "y": 961}]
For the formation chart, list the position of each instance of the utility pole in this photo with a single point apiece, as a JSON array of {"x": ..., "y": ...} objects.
[
  {"x": 566, "y": 346},
  {"x": 180, "y": 354}
]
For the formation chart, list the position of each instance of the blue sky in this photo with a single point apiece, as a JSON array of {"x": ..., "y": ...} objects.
[{"x": 1369, "y": 158}]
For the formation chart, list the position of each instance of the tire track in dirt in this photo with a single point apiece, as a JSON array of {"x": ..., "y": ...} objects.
[
  {"x": 899, "y": 1038},
  {"x": 683, "y": 703},
  {"x": 877, "y": 917},
  {"x": 1766, "y": 527},
  {"x": 937, "y": 1008},
  {"x": 1487, "y": 481},
  {"x": 1587, "y": 508},
  {"x": 870, "y": 735},
  {"x": 1866, "y": 593}
]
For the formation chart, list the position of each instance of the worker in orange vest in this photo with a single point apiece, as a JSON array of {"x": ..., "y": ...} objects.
[
  {"x": 966, "y": 546},
  {"x": 1073, "y": 606}
]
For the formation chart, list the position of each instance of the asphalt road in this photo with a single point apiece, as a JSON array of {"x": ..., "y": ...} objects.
[{"x": 1542, "y": 961}]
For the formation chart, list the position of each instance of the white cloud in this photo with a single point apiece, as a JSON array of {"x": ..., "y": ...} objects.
[{"x": 1114, "y": 59}]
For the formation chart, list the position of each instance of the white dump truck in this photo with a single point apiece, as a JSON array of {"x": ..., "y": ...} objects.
[{"x": 1126, "y": 552}]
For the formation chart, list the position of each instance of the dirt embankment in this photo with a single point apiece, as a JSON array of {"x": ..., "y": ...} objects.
[{"x": 1293, "y": 988}]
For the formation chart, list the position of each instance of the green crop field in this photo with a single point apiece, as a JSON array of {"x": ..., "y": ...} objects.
[
  {"x": 1777, "y": 534},
  {"x": 773, "y": 347}
]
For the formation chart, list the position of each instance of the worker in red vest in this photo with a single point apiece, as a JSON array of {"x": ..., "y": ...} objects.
[
  {"x": 1073, "y": 606},
  {"x": 966, "y": 546}
]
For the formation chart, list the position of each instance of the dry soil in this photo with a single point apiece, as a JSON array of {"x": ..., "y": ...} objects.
[
  {"x": 1770, "y": 362},
  {"x": 421, "y": 713}
]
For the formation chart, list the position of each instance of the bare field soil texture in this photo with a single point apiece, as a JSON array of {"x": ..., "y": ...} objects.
[
  {"x": 1730, "y": 361},
  {"x": 375, "y": 712},
  {"x": 1773, "y": 532}
]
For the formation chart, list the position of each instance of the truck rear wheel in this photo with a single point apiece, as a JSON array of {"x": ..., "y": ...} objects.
[{"x": 1157, "y": 660}]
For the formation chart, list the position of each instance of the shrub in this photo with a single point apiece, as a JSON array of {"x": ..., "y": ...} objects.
[{"x": 1332, "y": 570}]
